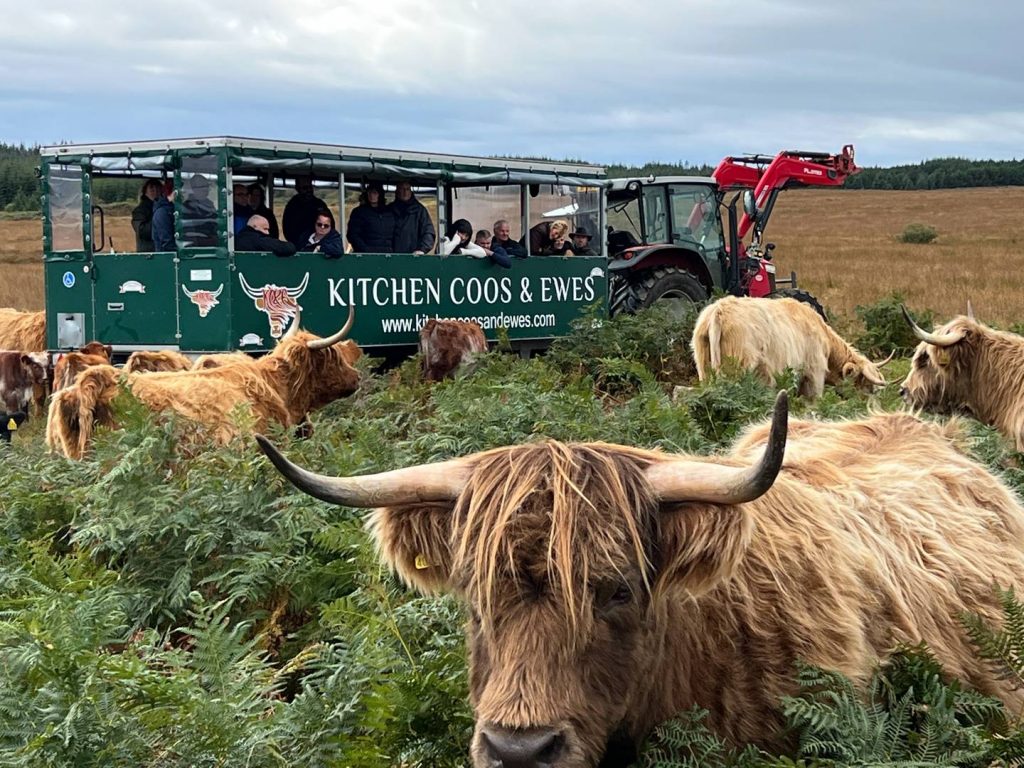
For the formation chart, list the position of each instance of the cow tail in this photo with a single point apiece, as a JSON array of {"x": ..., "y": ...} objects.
[
  {"x": 62, "y": 424},
  {"x": 715, "y": 341}
]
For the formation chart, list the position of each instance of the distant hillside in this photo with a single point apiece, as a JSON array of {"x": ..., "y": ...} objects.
[{"x": 19, "y": 187}]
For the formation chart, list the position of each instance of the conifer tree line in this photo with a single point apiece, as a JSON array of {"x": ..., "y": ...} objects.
[{"x": 19, "y": 186}]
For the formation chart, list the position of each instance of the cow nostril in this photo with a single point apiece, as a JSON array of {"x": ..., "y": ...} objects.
[
  {"x": 903, "y": 391},
  {"x": 525, "y": 748}
]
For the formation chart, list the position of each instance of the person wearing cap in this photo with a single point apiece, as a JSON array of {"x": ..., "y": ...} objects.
[
  {"x": 371, "y": 226},
  {"x": 581, "y": 242}
]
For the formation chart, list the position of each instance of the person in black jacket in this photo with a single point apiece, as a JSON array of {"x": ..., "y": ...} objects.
[
  {"x": 300, "y": 213},
  {"x": 414, "y": 231},
  {"x": 257, "y": 201},
  {"x": 255, "y": 236},
  {"x": 142, "y": 216},
  {"x": 503, "y": 239},
  {"x": 163, "y": 221},
  {"x": 371, "y": 227},
  {"x": 550, "y": 238},
  {"x": 325, "y": 238}
]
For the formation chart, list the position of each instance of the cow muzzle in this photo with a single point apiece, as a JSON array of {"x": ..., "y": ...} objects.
[{"x": 520, "y": 748}]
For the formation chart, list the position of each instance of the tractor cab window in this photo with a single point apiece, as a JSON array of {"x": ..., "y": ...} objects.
[
  {"x": 623, "y": 218},
  {"x": 655, "y": 215},
  {"x": 695, "y": 216},
  {"x": 199, "y": 208},
  {"x": 65, "y": 203}
]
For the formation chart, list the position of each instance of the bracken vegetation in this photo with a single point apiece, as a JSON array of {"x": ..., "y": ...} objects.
[{"x": 163, "y": 606}]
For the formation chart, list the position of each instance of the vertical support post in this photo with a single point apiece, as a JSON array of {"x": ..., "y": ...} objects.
[
  {"x": 342, "y": 228},
  {"x": 524, "y": 195},
  {"x": 442, "y": 215},
  {"x": 602, "y": 219}
]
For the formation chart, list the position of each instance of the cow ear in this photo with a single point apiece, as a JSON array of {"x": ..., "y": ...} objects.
[
  {"x": 701, "y": 544},
  {"x": 110, "y": 351},
  {"x": 414, "y": 541},
  {"x": 849, "y": 369}
]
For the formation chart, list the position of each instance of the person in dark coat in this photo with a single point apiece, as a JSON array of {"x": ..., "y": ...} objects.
[
  {"x": 496, "y": 253},
  {"x": 414, "y": 231},
  {"x": 503, "y": 239},
  {"x": 549, "y": 238},
  {"x": 300, "y": 213},
  {"x": 325, "y": 238},
  {"x": 163, "y": 221},
  {"x": 255, "y": 236},
  {"x": 581, "y": 242},
  {"x": 242, "y": 209},
  {"x": 257, "y": 201},
  {"x": 142, "y": 216},
  {"x": 371, "y": 227},
  {"x": 199, "y": 214}
]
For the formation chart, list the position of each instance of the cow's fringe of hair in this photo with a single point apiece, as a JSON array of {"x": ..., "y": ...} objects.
[
  {"x": 75, "y": 411},
  {"x": 163, "y": 360},
  {"x": 23, "y": 331},
  {"x": 567, "y": 491}
]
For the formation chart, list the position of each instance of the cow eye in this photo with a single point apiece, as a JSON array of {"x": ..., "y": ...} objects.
[{"x": 614, "y": 595}]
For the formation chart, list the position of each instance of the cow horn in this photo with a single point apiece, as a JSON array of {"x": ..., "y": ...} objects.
[
  {"x": 688, "y": 480},
  {"x": 294, "y": 327},
  {"x": 218, "y": 292},
  {"x": 188, "y": 293},
  {"x": 938, "y": 339},
  {"x": 970, "y": 312},
  {"x": 887, "y": 360},
  {"x": 249, "y": 290},
  {"x": 442, "y": 481},
  {"x": 335, "y": 337}
]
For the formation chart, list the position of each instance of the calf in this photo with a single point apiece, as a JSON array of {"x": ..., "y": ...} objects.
[
  {"x": 447, "y": 344},
  {"x": 20, "y": 374}
]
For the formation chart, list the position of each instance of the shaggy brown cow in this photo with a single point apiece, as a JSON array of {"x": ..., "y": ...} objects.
[
  {"x": 302, "y": 374},
  {"x": 25, "y": 331},
  {"x": 69, "y": 365},
  {"x": 967, "y": 367},
  {"x": 610, "y": 588},
  {"x": 158, "y": 361},
  {"x": 21, "y": 375},
  {"x": 769, "y": 335},
  {"x": 205, "y": 362},
  {"x": 447, "y": 344}
]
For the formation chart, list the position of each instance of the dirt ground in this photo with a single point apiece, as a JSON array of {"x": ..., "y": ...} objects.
[{"x": 842, "y": 244}]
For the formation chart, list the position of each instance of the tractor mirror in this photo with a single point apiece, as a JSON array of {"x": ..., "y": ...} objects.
[{"x": 749, "y": 205}]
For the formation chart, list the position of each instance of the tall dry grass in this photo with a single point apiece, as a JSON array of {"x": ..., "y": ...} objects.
[{"x": 842, "y": 244}]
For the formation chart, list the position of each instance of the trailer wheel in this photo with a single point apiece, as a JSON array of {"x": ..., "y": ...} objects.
[
  {"x": 802, "y": 296},
  {"x": 670, "y": 284}
]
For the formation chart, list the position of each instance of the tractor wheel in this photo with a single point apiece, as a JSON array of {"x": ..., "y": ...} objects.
[
  {"x": 670, "y": 284},
  {"x": 801, "y": 296}
]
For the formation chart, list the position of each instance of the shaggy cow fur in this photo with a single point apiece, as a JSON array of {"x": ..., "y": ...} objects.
[
  {"x": 595, "y": 610},
  {"x": 447, "y": 344},
  {"x": 22, "y": 375},
  {"x": 982, "y": 374},
  {"x": 282, "y": 387},
  {"x": 203, "y": 362},
  {"x": 159, "y": 361},
  {"x": 69, "y": 365},
  {"x": 769, "y": 335},
  {"x": 24, "y": 331}
]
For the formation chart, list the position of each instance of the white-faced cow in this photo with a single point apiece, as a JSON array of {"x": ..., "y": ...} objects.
[
  {"x": 610, "y": 588},
  {"x": 967, "y": 367},
  {"x": 767, "y": 336},
  {"x": 445, "y": 345}
]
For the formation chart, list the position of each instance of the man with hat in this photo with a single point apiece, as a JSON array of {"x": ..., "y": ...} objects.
[{"x": 581, "y": 242}]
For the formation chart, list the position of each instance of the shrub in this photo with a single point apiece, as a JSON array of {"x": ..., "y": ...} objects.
[
  {"x": 918, "y": 233},
  {"x": 885, "y": 328}
]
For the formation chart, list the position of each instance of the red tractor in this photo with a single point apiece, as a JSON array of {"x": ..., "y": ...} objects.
[{"x": 666, "y": 239}]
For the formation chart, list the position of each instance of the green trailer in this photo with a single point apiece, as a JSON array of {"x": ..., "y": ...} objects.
[{"x": 206, "y": 296}]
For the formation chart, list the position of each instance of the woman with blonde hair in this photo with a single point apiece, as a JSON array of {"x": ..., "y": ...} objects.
[{"x": 550, "y": 238}]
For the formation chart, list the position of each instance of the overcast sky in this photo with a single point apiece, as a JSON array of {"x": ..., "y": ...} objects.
[{"x": 666, "y": 80}]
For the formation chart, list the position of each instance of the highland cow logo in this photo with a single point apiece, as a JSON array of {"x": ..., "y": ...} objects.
[
  {"x": 205, "y": 300},
  {"x": 279, "y": 303}
]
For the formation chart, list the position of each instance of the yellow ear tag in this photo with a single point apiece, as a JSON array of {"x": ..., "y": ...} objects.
[
  {"x": 421, "y": 563},
  {"x": 13, "y": 425}
]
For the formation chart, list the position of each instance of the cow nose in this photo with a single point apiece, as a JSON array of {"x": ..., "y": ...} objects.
[
  {"x": 903, "y": 392},
  {"x": 529, "y": 748}
]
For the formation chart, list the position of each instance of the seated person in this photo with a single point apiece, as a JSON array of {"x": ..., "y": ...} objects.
[
  {"x": 255, "y": 236},
  {"x": 325, "y": 238},
  {"x": 503, "y": 240},
  {"x": 581, "y": 242},
  {"x": 498, "y": 255},
  {"x": 458, "y": 241},
  {"x": 550, "y": 238},
  {"x": 243, "y": 210}
]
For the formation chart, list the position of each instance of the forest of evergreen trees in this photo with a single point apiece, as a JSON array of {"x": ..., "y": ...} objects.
[{"x": 19, "y": 187}]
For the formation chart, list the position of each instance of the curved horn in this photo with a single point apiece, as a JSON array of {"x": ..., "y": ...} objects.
[
  {"x": 294, "y": 327},
  {"x": 217, "y": 293},
  {"x": 335, "y": 337},
  {"x": 970, "y": 312},
  {"x": 442, "y": 481},
  {"x": 296, "y": 292},
  {"x": 249, "y": 291},
  {"x": 887, "y": 360},
  {"x": 938, "y": 339},
  {"x": 688, "y": 480},
  {"x": 188, "y": 293}
]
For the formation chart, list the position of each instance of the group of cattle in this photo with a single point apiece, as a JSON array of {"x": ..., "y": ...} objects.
[
  {"x": 610, "y": 587},
  {"x": 302, "y": 373}
]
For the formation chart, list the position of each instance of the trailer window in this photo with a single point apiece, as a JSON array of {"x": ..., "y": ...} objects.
[
  {"x": 199, "y": 221},
  {"x": 65, "y": 209}
]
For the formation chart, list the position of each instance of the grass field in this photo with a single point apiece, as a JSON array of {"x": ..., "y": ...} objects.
[{"x": 842, "y": 244}]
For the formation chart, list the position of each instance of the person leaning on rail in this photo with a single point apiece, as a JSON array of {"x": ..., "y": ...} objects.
[
  {"x": 255, "y": 236},
  {"x": 371, "y": 227},
  {"x": 325, "y": 238},
  {"x": 503, "y": 239}
]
